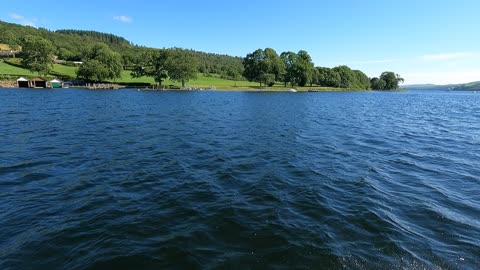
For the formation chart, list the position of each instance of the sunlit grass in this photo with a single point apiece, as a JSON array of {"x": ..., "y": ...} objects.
[
  {"x": 202, "y": 81},
  {"x": 6, "y": 69}
]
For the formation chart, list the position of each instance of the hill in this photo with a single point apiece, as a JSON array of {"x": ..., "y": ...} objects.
[
  {"x": 472, "y": 86},
  {"x": 429, "y": 86},
  {"x": 70, "y": 44}
]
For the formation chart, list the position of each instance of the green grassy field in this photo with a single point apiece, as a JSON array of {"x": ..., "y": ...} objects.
[
  {"x": 12, "y": 72},
  {"x": 200, "y": 81},
  {"x": 64, "y": 71},
  {"x": 6, "y": 69},
  {"x": 67, "y": 71},
  {"x": 58, "y": 70}
]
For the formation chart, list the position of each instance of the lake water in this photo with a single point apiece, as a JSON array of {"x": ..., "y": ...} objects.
[{"x": 239, "y": 180}]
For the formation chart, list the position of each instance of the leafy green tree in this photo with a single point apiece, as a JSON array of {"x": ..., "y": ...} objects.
[
  {"x": 289, "y": 60},
  {"x": 328, "y": 77},
  {"x": 315, "y": 77},
  {"x": 361, "y": 80},
  {"x": 38, "y": 54},
  {"x": 347, "y": 76},
  {"x": 303, "y": 68},
  {"x": 377, "y": 84},
  {"x": 252, "y": 66},
  {"x": 274, "y": 64},
  {"x": 9, "y": 38},
  {"x": 100, "y": 63},
  {"x": 344, "y": 77},
  {"x": 268, "y": 79},
  {"x": 232, "y": 73},
  {"x": 263, "y": 66},
  {"x": 182, "y": 65},
  {"x": 391, "y": 80},
  {"x": 65, "y": 54},
  {"x": 152, "y": 63},
  {"x": 399, "y": 78}
]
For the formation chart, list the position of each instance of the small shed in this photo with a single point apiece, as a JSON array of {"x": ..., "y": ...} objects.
[
  {"x": 55, "y": 83},
  {"x": 22, "y": 82},
  {"x": 38, "y": 83}
]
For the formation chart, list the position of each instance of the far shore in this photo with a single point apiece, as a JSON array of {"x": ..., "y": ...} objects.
[{"x": 113, "y": 86}]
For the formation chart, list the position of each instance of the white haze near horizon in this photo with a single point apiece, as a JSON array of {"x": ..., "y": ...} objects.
[{"x": 442, "y": 78}]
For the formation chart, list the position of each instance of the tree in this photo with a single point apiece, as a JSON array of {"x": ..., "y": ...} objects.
[
  {"x": 274, "y": 64},
  {"x": 328, "y": 77},
  {"x": 303, "y": 68},
  {"x": 268, "y": 79},
  {"x": 65, "y": 54},
  {"x": 315, "y": 77},
  {"x": 9, "y": 38},
  {"x": 152, "y": 63},
  {"x": 100, "y": 63},
  {"x": 361, "y": 80},
  {"x": 289, "y": 59},
  {"x": 334, "y": 78},
  {"x": 347, "y": 76},
  {"x": 399, "y": 78},
  {"x": 38, "y": 54},
  {"x": 391, "y": 80},
  {"x": 182, "y": 65},
  {"x": 377, "y": 84},
  {"x": 252, "y": 66},
  {"x": 263, "y": 66}
]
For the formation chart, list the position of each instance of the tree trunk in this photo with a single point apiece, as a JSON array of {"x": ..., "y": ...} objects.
[{"x": 183, "y": 83}]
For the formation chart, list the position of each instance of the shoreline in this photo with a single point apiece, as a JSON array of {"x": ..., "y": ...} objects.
[{"x": 114, "y": 86}]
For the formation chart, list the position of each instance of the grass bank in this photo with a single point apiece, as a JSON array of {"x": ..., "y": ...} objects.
[{"x": 10, "y": 70}]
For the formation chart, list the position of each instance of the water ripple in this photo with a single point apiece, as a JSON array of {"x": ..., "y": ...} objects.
[{"x": 144, "y": 180}]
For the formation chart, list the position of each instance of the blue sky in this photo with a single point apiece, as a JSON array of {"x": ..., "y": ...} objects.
[{"x": 425, "y": 41}]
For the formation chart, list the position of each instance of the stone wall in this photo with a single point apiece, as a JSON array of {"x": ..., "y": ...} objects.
[{"x": 8, "y": 84}]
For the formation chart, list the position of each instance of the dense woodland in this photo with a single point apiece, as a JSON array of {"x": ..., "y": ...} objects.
[
  {"x": 105, "y": 55},
  {"x": 71, "y": 45},
  {"x": 297, "y": 69}
]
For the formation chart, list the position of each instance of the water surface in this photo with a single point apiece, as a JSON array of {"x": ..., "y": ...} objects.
[{"x": 239, "y": 180}]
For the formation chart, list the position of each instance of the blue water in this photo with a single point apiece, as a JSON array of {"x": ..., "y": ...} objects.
[{"x": 236, "y": 180}]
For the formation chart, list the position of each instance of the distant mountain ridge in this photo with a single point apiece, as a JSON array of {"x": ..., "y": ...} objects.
[{"x": 472, "y": 86}]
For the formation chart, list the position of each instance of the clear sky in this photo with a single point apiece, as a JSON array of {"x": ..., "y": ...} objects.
[{"x": 425, "y": 41}]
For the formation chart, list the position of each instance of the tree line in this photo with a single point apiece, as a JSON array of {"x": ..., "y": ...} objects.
[
  {"x": 71, "y": 45},
  {"x": 100, "y": 63},
  {"x": 297, "y": 69},
  {"x": 102, "y": 37},
  {"x": 104, "y": 57},
  {"x": 160, "y": 64}
]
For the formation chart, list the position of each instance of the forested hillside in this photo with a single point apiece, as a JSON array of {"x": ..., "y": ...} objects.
[{"x": 70, "y": 45}]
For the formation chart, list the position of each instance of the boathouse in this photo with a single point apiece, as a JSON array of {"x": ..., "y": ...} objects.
[
  {"x": 55, "y": 83},
  {"x": 22, "y": 83},
  {"x": 38, "y": 83}
]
